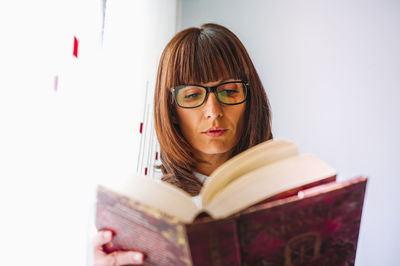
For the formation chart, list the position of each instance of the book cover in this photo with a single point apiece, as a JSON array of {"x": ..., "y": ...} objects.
[
  {"x": 161, "y": 237},
  {"x": 318, "y": 226}
]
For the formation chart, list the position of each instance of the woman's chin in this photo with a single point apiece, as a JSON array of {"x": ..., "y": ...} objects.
[{"x": 216, "y": 149}]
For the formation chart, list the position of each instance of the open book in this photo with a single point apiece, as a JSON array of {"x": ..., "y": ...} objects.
[
  {"x": 268, "y": 177},
  {"x": 265, "y": 170}
]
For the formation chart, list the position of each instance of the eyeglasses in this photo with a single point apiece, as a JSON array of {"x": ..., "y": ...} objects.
[{"x": 192, "y": 96}]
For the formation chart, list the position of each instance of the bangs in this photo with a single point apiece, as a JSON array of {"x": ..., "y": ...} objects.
[{"x": 204, "y": 57}]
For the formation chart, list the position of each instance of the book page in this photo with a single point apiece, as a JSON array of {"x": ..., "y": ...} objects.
[
  {"x": 159, "y": 195},
  {"x": 251, "y": 159},
  {"x": 266, "y": 182}
]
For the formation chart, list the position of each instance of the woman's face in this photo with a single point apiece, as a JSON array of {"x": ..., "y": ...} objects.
[{"x": 212, "y": 128}]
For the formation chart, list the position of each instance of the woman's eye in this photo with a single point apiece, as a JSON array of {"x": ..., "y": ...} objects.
[
  {"x": 229, "y": 92},
  {"x": 192, "y": 96}
]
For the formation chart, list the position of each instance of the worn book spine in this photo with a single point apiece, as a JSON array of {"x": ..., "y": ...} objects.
[
  {"x": 214, "y": 242},
  {"x": 318, "y": 227},
  {"x": 160, "y": 237}
]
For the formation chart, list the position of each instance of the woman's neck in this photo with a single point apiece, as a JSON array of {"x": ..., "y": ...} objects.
[{"x": 207, "y": 163}]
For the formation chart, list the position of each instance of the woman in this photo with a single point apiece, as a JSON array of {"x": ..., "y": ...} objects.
[{"x": 209, "y": 106}]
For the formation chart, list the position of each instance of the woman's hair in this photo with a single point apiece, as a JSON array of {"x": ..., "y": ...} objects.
[{"x": 201, "y": 55}]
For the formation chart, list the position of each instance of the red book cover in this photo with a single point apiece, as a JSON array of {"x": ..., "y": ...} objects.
[
  {"x": 162, "y": 238},
  {"x": 319, "y": 226},
  {"x": 214, "y": 242}
]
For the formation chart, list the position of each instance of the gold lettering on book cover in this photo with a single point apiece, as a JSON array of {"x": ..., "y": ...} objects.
[
  {"x": 178, "y": 237},
  {"x": 181, "y": 237},
  {"x": 186, "y": 261},
  {"x": 303, "y": 248},
  {"x": 184, "y": 245}
]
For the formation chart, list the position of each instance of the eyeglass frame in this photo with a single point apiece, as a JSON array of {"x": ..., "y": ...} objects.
[{"x": 211, "y": 89}]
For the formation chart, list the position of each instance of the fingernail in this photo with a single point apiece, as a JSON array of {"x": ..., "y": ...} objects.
[
  {"x": 138, "y": 257},
  {"x": 107, "y": 234}
]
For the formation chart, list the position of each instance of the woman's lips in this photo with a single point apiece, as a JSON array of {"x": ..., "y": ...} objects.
[{"x": 215, "y": 132}]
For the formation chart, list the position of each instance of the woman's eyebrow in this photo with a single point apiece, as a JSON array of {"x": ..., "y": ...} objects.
[{"x": 228, "y": 79}]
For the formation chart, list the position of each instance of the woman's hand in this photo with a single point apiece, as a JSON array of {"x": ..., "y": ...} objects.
[{"x": 100, "y": 258}]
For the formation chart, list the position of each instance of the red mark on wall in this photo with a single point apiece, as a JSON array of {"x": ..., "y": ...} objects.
[
  {"x": 156, "y": 155},
  {"x": 76, "y": 42},
  {"x": 141, "y": 128},
  {"x": 55, "y": 83},
  {"x": 145, "y": 171}
]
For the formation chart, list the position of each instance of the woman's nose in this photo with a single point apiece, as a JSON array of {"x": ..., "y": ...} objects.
[{"x": 212, "y": 107}]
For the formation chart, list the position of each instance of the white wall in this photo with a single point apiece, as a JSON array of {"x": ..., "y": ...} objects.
[
  {"x": 331, "y": 71},
  {"x": 45, "y": 136},
  {"x": 56, "y": 144}
]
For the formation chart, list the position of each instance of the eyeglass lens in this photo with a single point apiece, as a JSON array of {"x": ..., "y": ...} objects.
[{"x": 192, "y": 95}]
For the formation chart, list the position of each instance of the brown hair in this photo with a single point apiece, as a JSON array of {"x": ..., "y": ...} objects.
[{"x": 201, "y": 55}]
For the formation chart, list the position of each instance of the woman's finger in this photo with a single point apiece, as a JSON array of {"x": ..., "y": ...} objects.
[
  {"x": 117, "y": 258},
  {"x": 101, "y": 238},
  {"x": 114, "y": 258}
]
